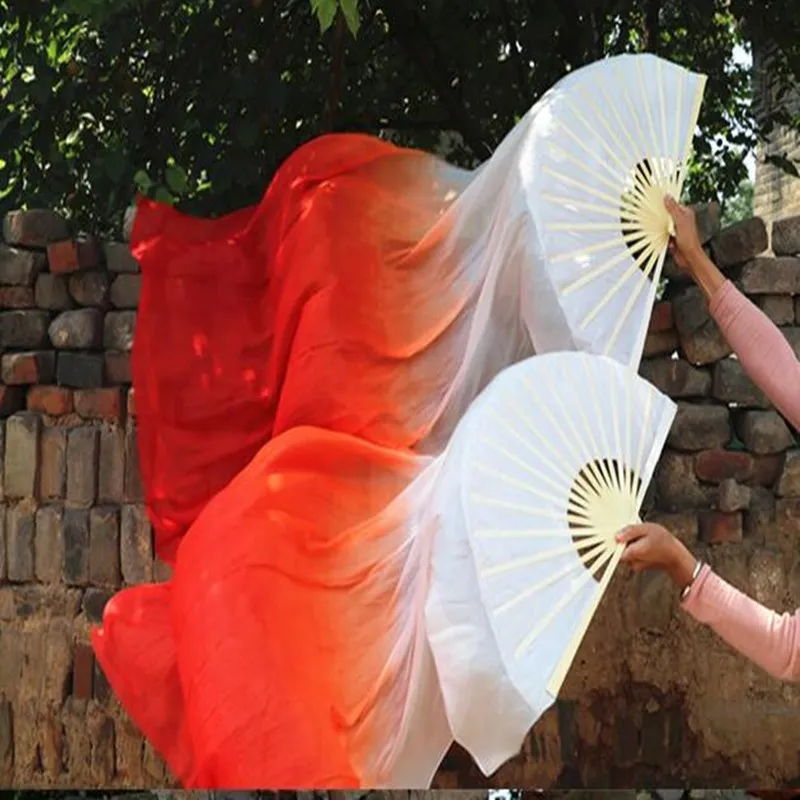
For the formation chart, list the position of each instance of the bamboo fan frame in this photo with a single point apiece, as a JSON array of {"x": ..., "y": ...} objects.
[
  {"x": 601, "y": 495},
  {"x": 633, "y": 184}
]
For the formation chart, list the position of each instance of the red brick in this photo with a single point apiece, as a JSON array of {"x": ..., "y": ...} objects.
[
  {"x": 715, "y": 466},
  {"x": 118, "y": 367},
  {"x": 661, "y": 319},
  {"x": 55, "y": 401},
  {"x": 12, "y": 399},
  {"x": 719, "y": 528},
  {"x": 25, "y": 369},
  {"x": 766, "y": 469},
  {"x": 99, "y": 403},
  {"x": 72, "y": 255},
  {"x": 663, "y": 343},
  {"x": 83, "y": 672},
  {"x": 17, "y": 297}
]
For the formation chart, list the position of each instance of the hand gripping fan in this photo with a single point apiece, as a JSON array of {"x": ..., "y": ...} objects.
[
  {"x": 606, "y": 144},
  {"x": 558, "y": 453}
]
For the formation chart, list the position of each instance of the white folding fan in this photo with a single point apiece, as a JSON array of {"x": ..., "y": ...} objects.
[
  {"x": 551, "y": 462},
  {"x": 606, "y": 144}
]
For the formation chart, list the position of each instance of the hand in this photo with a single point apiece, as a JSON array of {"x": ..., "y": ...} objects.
[
  {"x": 685, "y": 246},
  {"x": 651, "y": 546}
]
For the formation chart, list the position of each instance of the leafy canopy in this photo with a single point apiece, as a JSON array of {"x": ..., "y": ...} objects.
[{"x": 197, "y": 101}]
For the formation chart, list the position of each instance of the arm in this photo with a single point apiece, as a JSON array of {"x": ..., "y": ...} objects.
[{"x": 768, "y": 639}]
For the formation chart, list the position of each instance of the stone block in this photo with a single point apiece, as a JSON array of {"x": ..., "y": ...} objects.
[
  {"x": 740, "y": 242},
  {"x": 17, "y": 297},
  {"x": 733, "y": 385},
  {"x": 75, "y": 530},
  {"x": 52, "y": 293},
  {"x": 79, "y": 370},
  {"x": 733, "y": 497},
  {"x": 103, "y": 751},
  {"x": 53, "y": 464},
  {"x": 21, "y": 457},
  {"x": 786, "y": 236},
  {"x": 53, "y": 401},
  {"x": 81, "y": 253},
  {"x": 766, "y": 470},
  {"x": 125, "y": 291},
  {"x": 771, "y": 276},
  {"x": 760, "y": 515},
  {"x": 119, "y": 258},
  {"x": 717, "y": 465},
  {"x": 25, "y": 369},
  {"x": 83, "y": 446},
  {"x": 102, "y": 689},
  {"x": 104, "y": 566},
  {"x": 94, "y": 603},
  {"x": 658, "y": 344},
  {"x": 80, "y": 329},
  {"x": 675, "y": 377},
  {"x": 778, "y": 307},
  {"x": 20, "y": 534},
  {"x": 49, "y": 544},
  {"x": 700, "y": 337},
  {"x": 99, "y": 404},
  {"x": 36, "y": 227},
  {"x": 19, "y": 267},
  {"x": 91, "y": 288},
  {"x": 12, "y": 399},
  {"x": 119, "y": 330},
  {"x": 136, "y": 545},
  {"x": 789, "y": 480},
  {"x": 118, "y": 367},
  {"x": 661, "y": 318},
  {"x": 134, "y": 491},
  {"x": 6, "y": 742},
  {"x": 764, "y": 432},
  {"x": 677, "y": 486},
  {"x": 25, "y": 329},
  {"x": 700, "y": 427},
  {"x": 717, "y": 527},
  {"x": 111, "y": 472}
]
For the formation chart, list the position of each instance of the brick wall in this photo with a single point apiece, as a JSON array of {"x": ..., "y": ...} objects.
[{"x": 653, "y": 699}]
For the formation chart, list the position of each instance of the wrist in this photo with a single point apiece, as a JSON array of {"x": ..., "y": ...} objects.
[
  {"x": 682, "y": 566},
  {"x": 705, "y": 273}
]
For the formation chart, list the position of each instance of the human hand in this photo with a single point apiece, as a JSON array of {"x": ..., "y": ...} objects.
[
  {"x": 651, "y": 546},
  {"x": 684, "y": 246}
]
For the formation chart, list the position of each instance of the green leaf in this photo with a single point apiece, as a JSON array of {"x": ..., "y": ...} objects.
[
  {"x": 163, "y": 195},
  {"x": 351, "y": 15},
  {"x": 143, "y": 181},
  {"x": 176, "y": 178},
  {"x": 325, "y": 11}
]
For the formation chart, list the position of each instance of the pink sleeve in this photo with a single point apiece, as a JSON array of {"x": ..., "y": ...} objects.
[
  {"x": 761, "y": 347},
  {"x": 768, "y": 639}
]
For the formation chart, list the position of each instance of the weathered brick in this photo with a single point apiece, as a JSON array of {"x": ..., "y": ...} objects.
[
  {"x": 733, "y": 385},
  {"x": 24, "y": 369},
  {"x": 764, "y": 432},
  {"x": 79, "y": 370},
  {"x": 717, "y": 527},
  {"x": 80, "y": 329},
  {"x": 24, "y": 329},
  {"x": 126, "y": 290},
  {"x": 771, "y": 276},
  {"x": 132, "y": 402},
  {"x": 19, "y": 267},
  {"x": 17, "y": 297},
  {"x": 118, "y": 367},
  {"x": 111, "y": 472},
  {"x": 52, "y": 293},
  {"x": 700, "y": 337},
  {"x": 21, "y": 462},
  {"x": 133, "y": 479},
  {"x": 55, "y": 401},
  {"x": 766, "y": 469},
  {"x": 675, "y": 377},
  {"x": 83, "y": 672},
  {"x": 94, "y": 603},
  {"x": 20, "y": 532},
  {"x": 119, "y": 258},
  {"x": 740, "y": 242},
  {"x": 657, "y": 344},
  {"x": 102, "y": 689},
  {"x": 12, "y": 399},
  {"x": 653, "y": 601},
  {"x": 82, "y": 460},
  {"x": 100, "y": 404},
  {"x": 90, "y": 288},
  {"x": 760, "y": 515},
  {"x": 103, "y": 751},
  {"x": 104, "y": 567},
  {"x": 789, "y": 480},
  {"x": 40, "y": 602},
  {"x": 80, "y": 253},
  {"x": 6, "y": 741},
  {"x": 49, "y": 544},
  {"x": 786, "y": 236},
  {"x": 118, "y": 330},
  {"x": 700, "y": 427},
  {"x": 716, "y": 466},
  {"x": 677, "y": 485},
  {"x": 75, "y": 531},
  {"x": 136, "y": 545},
  {"x": 733, "y": 496},
  {"x": 2, "y": 463},
  {"x": 34, "y": 228},
  {"x": 661, "y": 318},
  {"x": 779, "y": 308},
  {"x": 53, "y": 464}
]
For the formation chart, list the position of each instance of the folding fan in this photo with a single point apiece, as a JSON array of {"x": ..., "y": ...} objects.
[
  {"x": 551, "y": 462},
  {"x": 606, "y": 144}
]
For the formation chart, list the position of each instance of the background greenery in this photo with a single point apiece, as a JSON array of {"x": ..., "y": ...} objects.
[{"x": 198, "y": 101}]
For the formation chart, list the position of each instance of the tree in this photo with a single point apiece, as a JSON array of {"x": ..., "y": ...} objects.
[{"x": 198, "y": 101}]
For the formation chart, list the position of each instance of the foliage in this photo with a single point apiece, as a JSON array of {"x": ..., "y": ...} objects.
[
  {"x": 197, "y": 101},
  {"x": 740, "y": 205}
]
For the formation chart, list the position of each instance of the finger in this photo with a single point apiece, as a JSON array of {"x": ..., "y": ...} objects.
[{"x": 630, "y": 534}]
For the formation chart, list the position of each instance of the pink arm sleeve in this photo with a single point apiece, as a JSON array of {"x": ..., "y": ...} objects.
[
  {"x": 768, "y": 639},
  {"x": 761, "y": 347}
]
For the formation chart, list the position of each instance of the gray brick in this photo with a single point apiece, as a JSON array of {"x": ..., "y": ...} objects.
[
  {"x": 82, "y": 460},
  {"x": 118, "y": 330},
  {"x": 20, "y": 533},
  {"x": 111, "y": 472},
  {"x": 136, "y": 545},
  {"x": 80, "y": 370},
  {"x": 19, "y": 267},
  {"x": 24, "y": 329},
  {"x": 53, "y": 464},
  {"x": 104, "y": 549},
  {"x": 36, "y": 227},
  {"x": 134, "y": 492},
  {"x": 49, "y": 544},
  {"x": 21, "y": 454},
  {"x": 80, "y": 329},
  {"x": 75, "y": 529}
]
